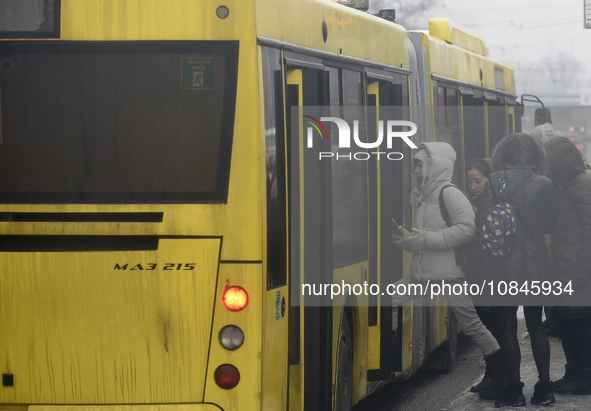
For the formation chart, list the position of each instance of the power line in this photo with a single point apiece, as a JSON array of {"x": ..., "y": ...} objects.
[
  {"x": 557, "y": 41},
  {"x": 525, "y": 26}
]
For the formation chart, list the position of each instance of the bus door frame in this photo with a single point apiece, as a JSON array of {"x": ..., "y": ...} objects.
[{"x": 311, "y": 240}]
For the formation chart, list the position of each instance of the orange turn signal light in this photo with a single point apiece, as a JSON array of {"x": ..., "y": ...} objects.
[{"x": 235, "y": 298}]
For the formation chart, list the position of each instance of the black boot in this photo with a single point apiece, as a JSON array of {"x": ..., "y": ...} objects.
[
  {"x": 512, "y": 396},
  {"x": 495, "y": 363},
  {"x": 543, "y": 393},
  {"x": 484, "y": 384},
  {"x": 581, "y": 386},
  {"x": 571, "y": 373}
]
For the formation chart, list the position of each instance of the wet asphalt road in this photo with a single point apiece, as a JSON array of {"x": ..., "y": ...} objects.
[{"x": 427, "y": 390}]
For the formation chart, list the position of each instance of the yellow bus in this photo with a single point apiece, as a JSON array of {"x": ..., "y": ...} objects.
[
  {"x": 472, "y": 96},
  {"x": 160, "y": 212}
]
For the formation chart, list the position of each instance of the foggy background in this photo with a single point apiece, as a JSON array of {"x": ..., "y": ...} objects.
[{"x": 545, "y": 41}]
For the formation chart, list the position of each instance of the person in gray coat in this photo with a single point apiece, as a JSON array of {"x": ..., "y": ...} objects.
[{"x": 432, "y": 243}]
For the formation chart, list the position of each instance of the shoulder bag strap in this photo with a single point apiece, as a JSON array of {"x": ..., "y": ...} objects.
[{"x": 442, "y": 208}]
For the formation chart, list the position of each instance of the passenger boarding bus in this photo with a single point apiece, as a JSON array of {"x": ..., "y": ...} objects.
[{"x": 160, "y": 212}]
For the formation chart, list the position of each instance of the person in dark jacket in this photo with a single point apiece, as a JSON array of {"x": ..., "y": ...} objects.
[
  {"x": 530, "y": 192},
  {"x": 477, "y": 173},
  {"x": 571, "y": 251}
]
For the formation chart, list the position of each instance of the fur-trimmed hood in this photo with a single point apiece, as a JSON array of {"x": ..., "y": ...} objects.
[
  {"x": 564, "y": 158},
  {"x": 438, "y": 166},
  {"x": 520, "y": 151}
]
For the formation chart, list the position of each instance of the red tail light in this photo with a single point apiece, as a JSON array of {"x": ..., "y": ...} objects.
[
  {"x": 227, "y": 376},
  {"x": 235, "y": 298}
]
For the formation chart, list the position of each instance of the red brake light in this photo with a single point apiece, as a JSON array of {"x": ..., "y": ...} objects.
[
  {"x": 227, "y": 376},
  {"x": 235, "y": 298}
]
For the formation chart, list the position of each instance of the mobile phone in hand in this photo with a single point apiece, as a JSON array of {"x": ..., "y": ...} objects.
[{"x": 395, "y": 228}]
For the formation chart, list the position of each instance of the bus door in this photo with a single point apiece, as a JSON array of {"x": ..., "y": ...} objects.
[
  {"x": 374, "y": 317},
  {"x": 389, "y": 180},
  {"x": 276, "y": 319},
  {"x": 310, "y": 349}
]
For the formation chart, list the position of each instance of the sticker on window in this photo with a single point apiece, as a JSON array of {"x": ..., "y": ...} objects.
[{"x": 198, "y": 73}]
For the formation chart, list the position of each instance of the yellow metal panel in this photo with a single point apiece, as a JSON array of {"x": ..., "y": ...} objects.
[
  {"x": 296, "y": 387},
  {"x": 511, "y": 111},
  {"x": 453, "y": 33},
  {"x": 373, "y": 342},
  {"x": 457, "y": 61},
  {"x": 78, "y": 330},
  {"x": 275, "y": 350},
  {"x": 247, "y": 359},
  {"x": 156, "y": 407},
  {"x": 407, "y": 311},
  {"x": 348, "y": 30},
  {"x": 155, "y": 20}
]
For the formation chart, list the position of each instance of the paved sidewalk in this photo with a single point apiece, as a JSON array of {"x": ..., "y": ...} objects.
[{"x": 469, "y": 401}]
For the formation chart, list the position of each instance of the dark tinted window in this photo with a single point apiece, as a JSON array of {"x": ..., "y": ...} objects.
[
  {"x": 349, "y": 180},
  {"x": 116, "y": 122},
  {"x": 29, "y": 18},
  {"x": 275, "y": 156}
]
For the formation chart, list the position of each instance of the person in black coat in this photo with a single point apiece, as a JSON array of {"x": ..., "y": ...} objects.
[
  {"x": 571, "y": 260},
  {"x": 477, "y": 173},
  {"x": 527, "y": 189}
]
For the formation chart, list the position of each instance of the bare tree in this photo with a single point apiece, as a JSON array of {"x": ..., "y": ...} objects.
[{"x": 410, "y": 14}]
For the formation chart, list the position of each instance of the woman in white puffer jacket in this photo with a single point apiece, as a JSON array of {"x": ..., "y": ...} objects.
[{"x": 432, "y": 243}]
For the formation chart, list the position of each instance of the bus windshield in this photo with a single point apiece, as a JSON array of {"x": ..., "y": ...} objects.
[{"x": 112, "y": 122}]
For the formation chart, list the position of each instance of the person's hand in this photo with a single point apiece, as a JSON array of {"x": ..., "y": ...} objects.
[{"x": 396, "y": 236}]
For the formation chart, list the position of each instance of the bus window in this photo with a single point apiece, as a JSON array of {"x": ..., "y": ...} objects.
[
  {"x": 349, "y": 182},
  {"x": 474, "y": 130},
  {"x": 448, "y": 126},
  {"x": 30, "y": 19},
  {"x": 137, "y": 122},
  {"x": 497, "y": 122}
]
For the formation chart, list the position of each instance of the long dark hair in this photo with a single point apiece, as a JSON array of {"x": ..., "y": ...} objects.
[{"x": 482, "y": 165}]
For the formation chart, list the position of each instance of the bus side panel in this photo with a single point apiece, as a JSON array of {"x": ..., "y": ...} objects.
[
  {"x": 247, "y": 359},
  {"x": 274, "y": 354},
  {"x": 108, "y": 327}
]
